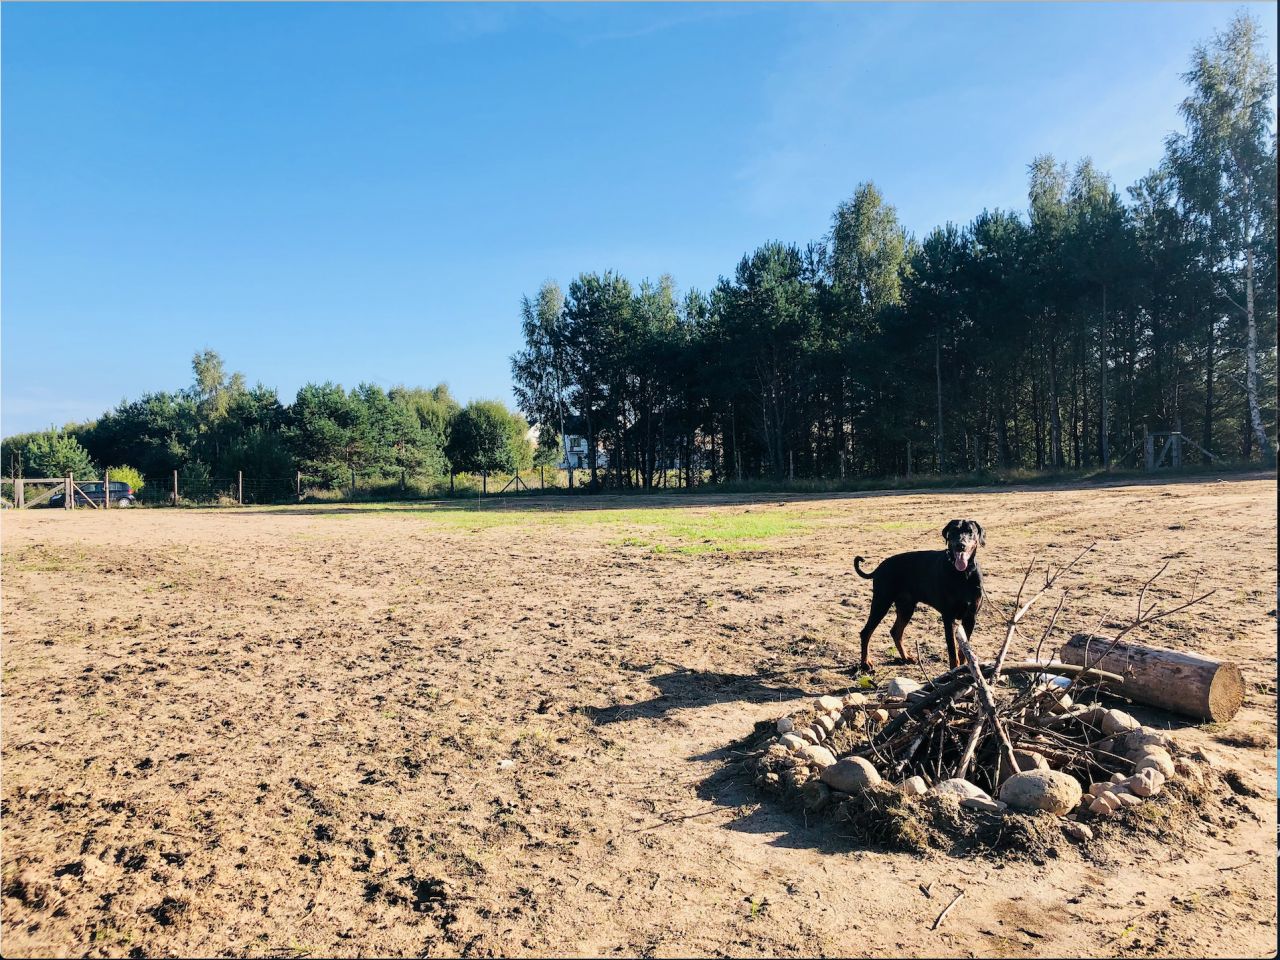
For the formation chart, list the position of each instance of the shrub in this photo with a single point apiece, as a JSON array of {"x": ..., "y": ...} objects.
[{"x": 127, "y": 474}]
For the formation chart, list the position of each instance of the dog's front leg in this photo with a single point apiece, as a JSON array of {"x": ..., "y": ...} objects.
[{"x": 949, "y": 628}]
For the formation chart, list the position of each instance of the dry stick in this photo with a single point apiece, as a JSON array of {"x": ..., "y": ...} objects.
[
  {"x": 1020, "y": 610},
  {"x": 1068, "y": 742},
  {"x": 1053, "y": 621},
  {"x": 953, "y": 684},
  {"x": 985, "y": 697},
  {"x": 943, "y": 915},
  {"x": 971, "y": 747}
]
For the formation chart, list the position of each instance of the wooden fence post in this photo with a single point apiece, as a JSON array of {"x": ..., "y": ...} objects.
[
  {"x": 908, "y": 459},
  {"x": 19, "y": 495},
  {"x": 69, "y": 501},
  {"x": 484, "y": 482},
  {"x": 297, "y": 481},
  {"x": 240, "y": 487},
  {"x": 175, "y": 488},
  {"x": 353, "y": 483},
  {"x": 1148, "y": 449},
  {"x": 106, "y": 488}
]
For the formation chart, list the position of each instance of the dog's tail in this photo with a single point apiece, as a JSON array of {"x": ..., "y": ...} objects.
[{"x": 857, "y": 561}]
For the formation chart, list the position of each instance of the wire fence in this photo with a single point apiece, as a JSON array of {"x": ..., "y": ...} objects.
[
  {"x": 178, "y": 489},
  {"x": 216, "y": 491}
]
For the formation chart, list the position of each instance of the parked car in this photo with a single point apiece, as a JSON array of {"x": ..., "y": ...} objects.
[{"x": 88, "y": 491}]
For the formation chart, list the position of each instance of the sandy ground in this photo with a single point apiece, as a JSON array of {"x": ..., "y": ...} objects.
[{"x": 322, "y": 731}]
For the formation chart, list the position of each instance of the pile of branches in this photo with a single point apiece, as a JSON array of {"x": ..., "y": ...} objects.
[{"x": 982, "y": 722}]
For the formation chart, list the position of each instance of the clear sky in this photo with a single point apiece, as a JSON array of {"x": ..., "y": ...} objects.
[{"x": 363, "y": 192}]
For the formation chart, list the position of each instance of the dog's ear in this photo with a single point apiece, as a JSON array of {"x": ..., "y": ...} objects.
[
  {"x": 946, "y": 531},
  {"x": 982, "y": 537}
]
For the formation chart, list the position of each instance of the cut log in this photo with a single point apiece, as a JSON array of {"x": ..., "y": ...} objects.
[{"x": 1185, "y": 683}]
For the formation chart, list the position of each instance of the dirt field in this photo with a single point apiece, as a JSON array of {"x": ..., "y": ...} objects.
[{"x": 392, "y": 731}]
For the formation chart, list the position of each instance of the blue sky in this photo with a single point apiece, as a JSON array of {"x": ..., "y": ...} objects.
[{"x": 363, "y": 192}]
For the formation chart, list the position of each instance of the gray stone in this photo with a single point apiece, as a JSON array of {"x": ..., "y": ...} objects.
[
  {"x": 850, "y": 775},
  {"x": 960, "y": 788},
  {"x": 1077, "y": 831},
  {"x": 786, "y": 725},
  {"x": 1132, "y": 742},
  {"x": 901, "y": 687},
  {"x": 792, "y": 741},
  {"x": 1156, "y": 759},
  {"x": 983, "y": 803},
  {"x": 1117, "y": 721},
  {"x": 820, "y": 757},
  {"x": 914, "y": 786},
  {"x": 1049, "y": 790}
]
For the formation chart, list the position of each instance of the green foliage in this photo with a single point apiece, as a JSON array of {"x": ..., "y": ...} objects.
[
  {"x": 127, "y": 474},
  {"x": 328, "y": 432},
  {"x": 489, "y": 438},
  {"x": 54, "y": 453},
  {"x": 258, "y": 453}
]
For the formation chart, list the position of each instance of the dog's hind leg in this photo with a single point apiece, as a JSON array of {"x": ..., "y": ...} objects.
[
  {"x": 906, "y": 608},
  {"x": 880, "y": 605}
]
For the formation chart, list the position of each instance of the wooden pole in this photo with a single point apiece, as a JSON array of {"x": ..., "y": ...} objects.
[
  {"x": 353, "y": 483},
  {"x": 240, "y": 487},
  {"x": 175, "y": 488},
  {"x": 19, "y": 494},
  {"x": 1185, "y": 683},
  {"x": 106, "y": 488},
  {"x": 297, "y": 483},
  {"x": 69, "y": 501},
  {"x": 908, "y": 459}
]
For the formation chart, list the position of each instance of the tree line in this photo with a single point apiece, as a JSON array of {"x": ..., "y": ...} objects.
[
  {"x": 1047, "y": 338},
  {"x": 219, "y": 426}
]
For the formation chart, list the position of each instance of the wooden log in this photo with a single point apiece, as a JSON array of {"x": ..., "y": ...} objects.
[{"x": 1186, "y": 683}]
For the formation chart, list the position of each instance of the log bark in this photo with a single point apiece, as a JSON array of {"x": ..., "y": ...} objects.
[{"x": 1186, "y": 683}]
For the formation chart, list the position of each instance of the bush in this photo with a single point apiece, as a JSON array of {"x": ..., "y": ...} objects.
[{"x": 127, "y": 474}]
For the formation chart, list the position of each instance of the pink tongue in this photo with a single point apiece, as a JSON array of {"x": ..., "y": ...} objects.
[{"x": 961, "y": 561}]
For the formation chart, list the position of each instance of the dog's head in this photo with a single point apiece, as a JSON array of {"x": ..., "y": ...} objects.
[{"x": 963, "y": 537}]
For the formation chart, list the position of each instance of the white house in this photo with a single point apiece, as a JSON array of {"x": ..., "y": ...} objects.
[{"x": 575, "y": 445}]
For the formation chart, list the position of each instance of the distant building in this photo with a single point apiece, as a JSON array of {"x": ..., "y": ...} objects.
[{"x": 575, "y": 440}]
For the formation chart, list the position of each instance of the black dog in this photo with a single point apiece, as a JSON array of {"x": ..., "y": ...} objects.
[{"x": 947, "y": 580}]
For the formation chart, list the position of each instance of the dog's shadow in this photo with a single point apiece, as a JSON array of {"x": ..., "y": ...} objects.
[{"x": 684, "y": 687}]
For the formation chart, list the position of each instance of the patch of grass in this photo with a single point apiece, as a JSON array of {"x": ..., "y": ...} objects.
[{"x": 665, "y": 529}]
